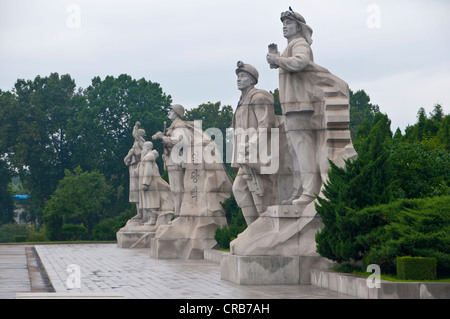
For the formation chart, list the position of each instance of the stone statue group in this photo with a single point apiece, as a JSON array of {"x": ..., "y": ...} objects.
[{"x": 278, "y": 204}]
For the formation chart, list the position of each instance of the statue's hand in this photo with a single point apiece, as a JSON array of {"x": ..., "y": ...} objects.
[
  {"x": 158, "y": 136},
  {"x": 272, "y": 58}
]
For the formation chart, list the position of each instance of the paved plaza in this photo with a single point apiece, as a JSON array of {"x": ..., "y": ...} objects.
[
  {"x": 14, "y": 275},
  {"x": 108, "y": 270}
]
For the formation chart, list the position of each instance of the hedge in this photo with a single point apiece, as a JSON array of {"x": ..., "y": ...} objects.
[{"x": 416, "y": 268}]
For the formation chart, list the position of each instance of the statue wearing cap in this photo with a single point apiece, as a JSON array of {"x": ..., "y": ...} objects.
[
  {"x": 199, "y": 185},
  {"x": 252, "y": 190},
  {"x": 304, "y": 87},
  {"x": 175, "y": 170},
  {"x": 313, "y": 129},
  {"x": 182, "y": 140}
]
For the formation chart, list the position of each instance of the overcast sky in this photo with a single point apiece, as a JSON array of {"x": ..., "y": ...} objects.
[{"x": 398, "y": 51}]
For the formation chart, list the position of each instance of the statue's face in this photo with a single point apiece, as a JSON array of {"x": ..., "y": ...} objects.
[
  {"x": 244, "y": 80},
  {"x": 147, "y": 147},
  {"x": 290, "y": 28},
  {"x": 172, "y": 115}
]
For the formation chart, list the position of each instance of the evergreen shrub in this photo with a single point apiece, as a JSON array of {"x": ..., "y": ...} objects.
[
  {"x": 20, "y": 239},
  {"x": 74, "y": 232},
  {"x": 416, "y": 268},
  {"x": 236, "y": 223}
]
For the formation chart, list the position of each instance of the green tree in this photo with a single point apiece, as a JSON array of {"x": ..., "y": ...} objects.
[
  {"x": 407, "y": 227},
  {"x": 422, "y": 168},
  {"x": 443, "y": 134},
  {"x": 107, "y": 228},
  {"x": 108, "y": 111},
  {"x": 425, "y": 127},
  {"x": 6, "y": 202},
  {"x": 7, "y": 104},
  {"x": 361, "y": 109},
  {"x": 277, "y": 104},
  {"x": 437, "y": 114},
  {"x": 236, "y": 223},
  {"x": 366, "y": 181},
  {"x": 48, "y": 127},
  {"x": 213, "y": 115},
  {"x": 8, "y": 232},
  {"x": 35, "y": 134},
  {"x": 80, "y": 199}
]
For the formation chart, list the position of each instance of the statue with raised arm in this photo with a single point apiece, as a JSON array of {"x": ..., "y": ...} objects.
[
  {"x": 151, "y": 194},
  {"x": 198, "y": 186},
  {"x": 314, "y": 129},
  {"x": 175, "y": 169},
  {"x": 313, "y": 101}
]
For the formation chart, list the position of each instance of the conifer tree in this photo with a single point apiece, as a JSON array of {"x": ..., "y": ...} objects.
[{"x": 366, "y": 181}]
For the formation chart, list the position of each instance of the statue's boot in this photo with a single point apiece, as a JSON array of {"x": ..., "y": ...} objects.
[
  {"x": 303, "y": 200},
  {"x": 295, "y": 195},
  {"x": 152, "y": 219}
]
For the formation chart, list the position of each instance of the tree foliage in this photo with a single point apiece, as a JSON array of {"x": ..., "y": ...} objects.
[
  {"x": 34, "y": 138},
  {"x": 365, "y": 181},
  {"x": 388, "y": 170},
  {"x": 407, "y": 227},
  {"x": 213, "y": 115},
  {"x": 6, "y": 202},
  {"x": 47, "y": 127},
  {"x": 361, "y": 110},
  {"x": 79, "y": 199},
  {"x": 422, "y": 168},
  {"x": 236, "y": 223}
]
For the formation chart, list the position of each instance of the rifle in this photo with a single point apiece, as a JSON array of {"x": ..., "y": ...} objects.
[{"x": 253, "y": 186}]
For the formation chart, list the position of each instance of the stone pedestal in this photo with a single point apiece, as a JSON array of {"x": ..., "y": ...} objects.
[
  {"x": 260, "y": 270},
  {"x": 187, "y": 237},
  {"x": 283, "y": 230},
  {"x": 279, "y": 248},
  {"x": 270, "y": 270},
  {"x": 134, "y": 239},
  {"x": 137, "y": 235}
]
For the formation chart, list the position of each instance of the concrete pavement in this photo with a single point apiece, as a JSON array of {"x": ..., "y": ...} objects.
[
  {"x": 108, "y": 270},
  {"x": 14, "y": 275}
]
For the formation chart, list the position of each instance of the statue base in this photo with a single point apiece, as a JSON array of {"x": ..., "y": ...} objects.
[
  {"x": 282, "y": 230},
  {"x": 278, "y": 248},
  {"x": 270, "y": 270},
  {"x": 136, "y": 234},
  {"x": 186, "y": 237},
  {"x": 134, "y": 239}
]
